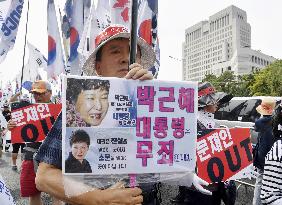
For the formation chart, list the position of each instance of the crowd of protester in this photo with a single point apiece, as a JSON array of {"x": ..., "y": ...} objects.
[
  {"x": 267, "y": 155},
  {"x": 110, "y": 59}
]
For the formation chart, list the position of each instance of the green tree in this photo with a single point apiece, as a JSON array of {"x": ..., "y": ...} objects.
[
  {"x": 243, "y": 85},
  {"x": 210, "y": 78},
  {"x": 268, "y": 81},
  {"x": 227, "y": 82}
]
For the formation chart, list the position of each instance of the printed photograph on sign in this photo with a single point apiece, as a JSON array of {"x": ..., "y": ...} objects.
[
  {"x": 79, "y": 143},
  {"x": 101, "y": 151},
  {"x": 118, "y": 126},
  {"x": 90, "y": 103}
]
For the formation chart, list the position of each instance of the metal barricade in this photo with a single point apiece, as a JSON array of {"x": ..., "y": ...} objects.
[{"x": 246, "y": 184}]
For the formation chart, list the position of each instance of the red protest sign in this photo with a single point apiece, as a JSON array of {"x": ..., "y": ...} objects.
[
  {"x": 34, "y": 122},
  {"x": 223, "y": 153}
]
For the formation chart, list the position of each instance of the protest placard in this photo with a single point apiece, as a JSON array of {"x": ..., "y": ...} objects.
[
  {"x": 119, "y": 126},
  {"x": 5, "y": 194},
  {"x": 223, "y": 153},
  {"x": 33, "y": 121}
]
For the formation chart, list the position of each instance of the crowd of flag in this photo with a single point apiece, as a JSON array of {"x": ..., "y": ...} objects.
[{"x": 71, "y": 36}]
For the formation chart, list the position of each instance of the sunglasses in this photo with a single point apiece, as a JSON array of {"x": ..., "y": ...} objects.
[{"x": 39, "y": 94}]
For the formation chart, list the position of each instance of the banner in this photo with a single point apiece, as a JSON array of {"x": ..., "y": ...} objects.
[
  {"x": 33, "y": 121},
  {"x": 5, "y": 194},
  {"x": 4, "y": 7},
  {"x": 9, "y": 28},
  {"x": 119, "y": 126},
  {"x": 223, "y": 153}
]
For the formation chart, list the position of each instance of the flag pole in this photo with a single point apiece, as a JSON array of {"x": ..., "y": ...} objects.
[
  {"x": 132, "y": 58},
  {"x": 25, "y": 36},
  {"x": 133, "y": 34}
]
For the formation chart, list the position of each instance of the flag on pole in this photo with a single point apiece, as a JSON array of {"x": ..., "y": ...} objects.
[
  {"x": 75, "y": 26},
  {"x": 35, "y": 61},
  {"x": 107, "y": 12},
  {"x": 5, "y": 194},
  {"x": 120, "y": 10},
  {"x": 36, "y": 58},
  {"x": 76, "y": 30},
  {"x": 98, "y": 20},
  {"x": 101, "y": 20},
  {"x": 87, "y": 12},
  {"x": 4, "y": 7},
  {"x": 86, "y": 9},
  {"x": 147, "y": 22},
  {"x": 55, "y": 65},
  {"x": 7, "y": 91},
  {"x": 27, "y": 85},
  {"x": 9, "y": 28},
  {"x": 148, "y": 28},
  {"x": 84, "y": 43},
  {"x": 65, "y": 27}
]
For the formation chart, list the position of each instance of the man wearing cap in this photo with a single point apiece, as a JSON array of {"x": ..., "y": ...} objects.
[
  {"x": 42, "y": 93},
  {"x": 109, "y": 59},
  {"x": 265, "y": 141},
  {"x": 271, "y": 189}
]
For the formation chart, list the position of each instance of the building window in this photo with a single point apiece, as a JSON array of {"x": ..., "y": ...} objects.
[{"x": 258, "y": 60}]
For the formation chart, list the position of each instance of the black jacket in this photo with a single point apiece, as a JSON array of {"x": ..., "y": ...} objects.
[
  {"x": 277, "y": 123},
  {"x": 6, "y": 114},
  {"x": 74, "y": 166},
  {"x": 265, "y": 140}
]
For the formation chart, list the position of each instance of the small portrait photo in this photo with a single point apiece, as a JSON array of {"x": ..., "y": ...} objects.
[
  {"x": 87, "y": 102},
  {"x": 79, "y": 143}
]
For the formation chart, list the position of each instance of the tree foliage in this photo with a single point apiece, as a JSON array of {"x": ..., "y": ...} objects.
[
  {"x": 266, "y": 82},
  {"x": 269, "y": 80},
  {"x": 229, "y": 83}
]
